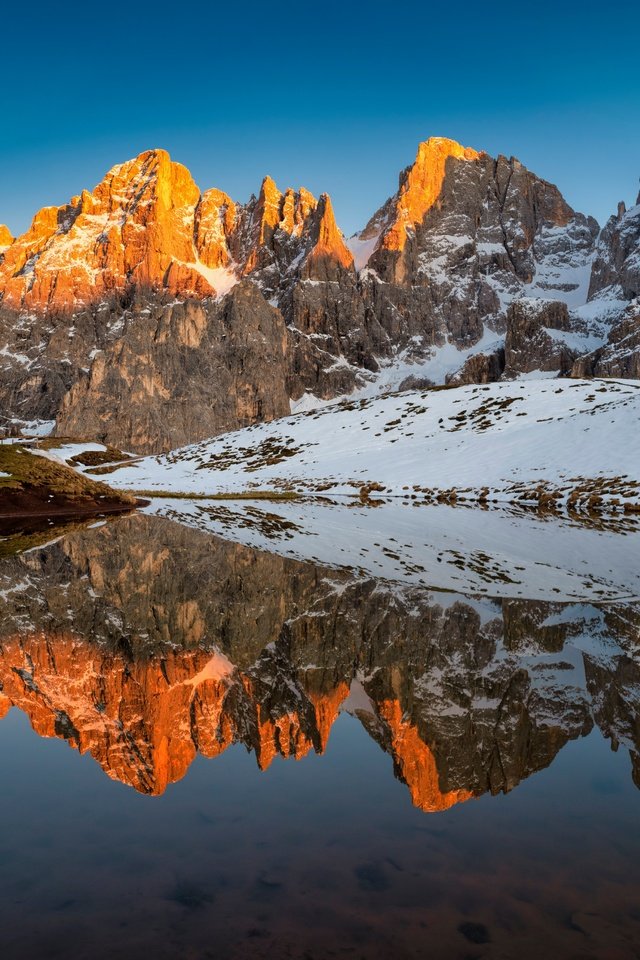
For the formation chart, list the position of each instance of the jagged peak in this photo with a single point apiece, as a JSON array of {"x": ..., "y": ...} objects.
[
  {"x": 6, "y": 237},
  {"x": 215, "y": 196},
  {"x": 269, "y": 192},
  {"x": 422, "y": 183},
  {"x": 327, "y": 227},
  {"x": 444, "y": 145},
  {"x": 419, "y": 186},
  {"x": 296, "y": 207},
  {"x": 155, "y": 173},
  {"x": 156, "y": 156},
  {"x": 329, "y": 253}
]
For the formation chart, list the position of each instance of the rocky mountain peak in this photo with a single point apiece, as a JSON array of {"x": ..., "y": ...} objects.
[
  {"x": 270, "y": 223},
  {"x": 296, "y": 208},
  {"x": 329, "y": 253},
  {"x": 268, "y": 208},
  {"x": 6, "y": 237},
  {"x": 419, "y": 187},
  {"x": 135, "y": 228}
]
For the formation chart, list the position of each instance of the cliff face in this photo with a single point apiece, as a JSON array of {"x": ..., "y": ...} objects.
[
  {"x": 614, "y": 292},
  {"x": 112, "y": 303},
  {"x": 189, "y": 369},
  {"x": 144, "y": 643}
]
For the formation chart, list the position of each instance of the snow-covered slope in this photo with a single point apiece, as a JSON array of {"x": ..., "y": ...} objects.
[{"x": 560, "y": 443}]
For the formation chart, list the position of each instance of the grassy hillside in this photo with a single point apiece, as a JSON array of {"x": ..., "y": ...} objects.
[{"x": 33, "y": 483}]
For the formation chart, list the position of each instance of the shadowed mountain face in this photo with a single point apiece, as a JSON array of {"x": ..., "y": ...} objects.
[{"x": 145, "y": 643}]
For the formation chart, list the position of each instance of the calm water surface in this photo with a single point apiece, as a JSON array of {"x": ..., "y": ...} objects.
[{"x": 212, "y": 751}]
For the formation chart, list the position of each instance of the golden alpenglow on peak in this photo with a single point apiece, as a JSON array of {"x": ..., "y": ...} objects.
[
  {"x": 129, "y": 230},
  {"x": 147, "y": 225},
  {"x": 329, "y": 254},
  {"x": 421, "y": 185}
]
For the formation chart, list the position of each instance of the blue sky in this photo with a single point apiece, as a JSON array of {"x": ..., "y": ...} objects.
[{"x": 334, "y": 96}]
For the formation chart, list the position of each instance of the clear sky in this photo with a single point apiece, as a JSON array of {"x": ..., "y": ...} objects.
[{"x": 333, "y": 95}]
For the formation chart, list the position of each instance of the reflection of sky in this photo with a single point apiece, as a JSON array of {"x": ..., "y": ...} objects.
[
  {"x": 334, "y": 96},
  {"x": 317, "y": 852}
]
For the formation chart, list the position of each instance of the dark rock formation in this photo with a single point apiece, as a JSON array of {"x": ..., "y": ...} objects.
[
  {"x": 530, "y": 343},
  {"x": 620, "y": 356},
  {"x": 183, "y": 371}
]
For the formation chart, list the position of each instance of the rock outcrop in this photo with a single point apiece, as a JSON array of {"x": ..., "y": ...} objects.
[
  {"x": 6, "y": 238},
  {"x": 534, "y": 338},
  {"x": 616, "y": 265}
]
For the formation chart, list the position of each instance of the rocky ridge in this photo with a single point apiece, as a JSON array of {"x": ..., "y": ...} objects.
[{"x": 112, "y": 305}]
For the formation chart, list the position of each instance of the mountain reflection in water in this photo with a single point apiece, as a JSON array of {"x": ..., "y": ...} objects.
[{"x": 144, "y": 644}]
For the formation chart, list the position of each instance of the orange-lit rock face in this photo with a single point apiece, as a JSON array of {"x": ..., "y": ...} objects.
[
  {"x": 328, "y": 253},
  {"x": 6, "y": 238},
  {"x": 275, "y": 219},
  {"x": 144, "y": 721},
  {"x": 215, "y": 221},
  {"x": 293, "y": 232},
  {"x": 146, "y": 224},
  {"x": 420, "y": 187},
  {"x": 136, "y": 223},
  {"x": 287, "y": 735},
  {"x": 416, "y": 763},
  {"x": 133, "y": 718}
]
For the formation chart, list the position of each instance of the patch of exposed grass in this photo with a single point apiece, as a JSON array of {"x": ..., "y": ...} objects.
[
  {"x": 94, "y": 458},
  {"x": 88, "y": 458},
  {"x": 27, "y": 473},
  {"x": 112, "y": 467},
  {"x": 241, "y": 495}
]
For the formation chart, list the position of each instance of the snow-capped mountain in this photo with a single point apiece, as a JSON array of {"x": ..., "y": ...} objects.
[{"x": 151, "y": 314}]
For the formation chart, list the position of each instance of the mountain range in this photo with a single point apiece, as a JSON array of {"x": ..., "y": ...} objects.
[{"x": 149, "y": 314}]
